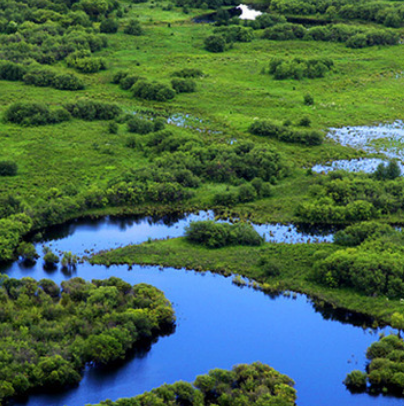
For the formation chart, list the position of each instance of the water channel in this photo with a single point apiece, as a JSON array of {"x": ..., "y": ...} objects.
[{"x": 218, "y": 324}]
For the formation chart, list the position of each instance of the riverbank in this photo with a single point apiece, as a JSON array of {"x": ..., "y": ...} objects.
[{"x": 293, "y": 261}]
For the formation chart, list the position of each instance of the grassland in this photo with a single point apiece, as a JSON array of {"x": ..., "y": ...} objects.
[{"x": 365, "y": 87}]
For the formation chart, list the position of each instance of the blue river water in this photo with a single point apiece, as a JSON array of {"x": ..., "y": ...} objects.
[{"x": 218, "y": 325}]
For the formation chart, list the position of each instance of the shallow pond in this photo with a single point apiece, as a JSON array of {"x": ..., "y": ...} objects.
[
  {"x": 387, "y": 139},
  {"x": 367, "y": 165}
]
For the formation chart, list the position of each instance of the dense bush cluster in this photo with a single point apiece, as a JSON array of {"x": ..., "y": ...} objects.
[
  {"x": 188, "y": 73},
  {"x": 372, "y": 266},
  {"x": 344, "y": 197},
  {"x": 298, "y": 68},
  {"x": 390, "y": 14},
  {"x": 8, "y": 168},
  {"x": 65, "y": 328},
  {"x": 256, "y": 385},
  {"x": 38, "y": 76},
  {"x": 152, "y": 91},
  {"x": 352, "y": 36},
  {"x": 183, "y": 85},
  {"x": 215, "y": 43},
  {"x": 235, "y": 34},
  {"x": 85, "y": 62},
  {"x": 385, "y": 372},
  {"x": 213, "y": 4},
  {"x": 91, "y": 110},
  {"x": 143, "y": 126},
  {"x": 31, "y": 114},
  {"x": 216, "y": 235},
  {"x": 283, "y": 133}
]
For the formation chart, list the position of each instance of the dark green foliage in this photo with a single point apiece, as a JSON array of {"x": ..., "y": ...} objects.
[
  {"x": 299, "y": 68},
  {"x": 273, "y": 130},
  {"x": 188, "y": 73},
  {"x": 152, "y": 91},
  {"x": 216, "y": 235},
  {"x": 286, "y": 31},
  {"x": 113, "y": 127},
  {"x": 50, "y": 258},
  {"x": 357, "y": 233},
  {"x": 344, "y": 197},
  {"x": 215, "y": 43},
  {"x": 183, "y": 85},
  {"x": 385, "y": 373},
  {"x": 84, "y": 62},
  {"x": 256, "y": 385},
  {"x": 305, "y": 122},
  {"x": 128, "y": 81},
  {"x": 109, "y": 26},
  {"x": 226, "y": 199},
  {"x": 27, "y": 252},
  {"x": 387, "y": 172},
  {"x": 308, "y": 100},
  {"x": 11, "y": 71},
  {"x": 269, "y": 266},
  {"x": 355, "y": 381},
  {"x": 235, "y": 34},
  {"x": 46, "y": 77},
  {"x": 88, "y": 322},
  {"x": 29, "y": 114},
  {"x": 140, "y": 126},
  {"x": 91, "y": 110},
  {"x": 133, "y": 27},
  {"x": 247, "y": 193},
  {"x": 8, "y": 168}
]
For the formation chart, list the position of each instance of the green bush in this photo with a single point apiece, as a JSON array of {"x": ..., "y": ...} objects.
[
  {"x": 215, "y": 43},
  {"x": 109, "y": 26},
  {"x": 140, "y": 126},
  {"x": 27, "y": 114},
  {"x": 152, "y": 91},
  {"x": 11, "y": 71},
  {"x": 216, "y": 235},
  {"x": 91, "y": 110},
  {"x": 8, "y": 168},
  {"x": 183, "y": 85},
  {"x": 133, "y": 27}
]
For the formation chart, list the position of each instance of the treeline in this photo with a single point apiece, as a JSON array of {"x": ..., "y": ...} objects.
[
  {"x": 255, "y": 384},
  {"x": 216, "y": 235},
  {"x": 49, "y": 333},
  {"x": 371, "y": 264},
  {"x": 385, "y": 372},
  {"x": 346, "y": 197},
  {"x": 275, "y": 27},
  {"x": 390, "y": 14}
]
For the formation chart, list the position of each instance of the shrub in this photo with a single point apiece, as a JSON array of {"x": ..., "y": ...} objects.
[
  {"x": 8, "y": 168},
  {"x": 387, "y": 172},
  {"x": 215, "y": 43},
  {"x": 128, "y": 81},
  {"x": 305, "y": 122},
  {"x": 188, "y": 73},
  {"x": 152, "y": 91},
  {"x": 68, "y": 82},
  {"x": 133, "y": 28},
  {"x": 216, "y": 235},
  {"x": 39, "y": 77},
  {"x": 11, "y": 71},
  {"x": 356, "y": 381},
  {"x": 140, "y": 126},
  {"x": 93, "y": 110},
  {"x": 247, "y": 193},
  {"x": 109, "y": 26},
  {"x": 269, "y": 266},
  {"x": 225, "y": 198},
  {"x": 27, "y": 252},
  {"x": 113, "y": 127},
  {"x": 183, "y": 85},
  {"x": 34, "y": 114},
  {"x": 308, "y": 100}
]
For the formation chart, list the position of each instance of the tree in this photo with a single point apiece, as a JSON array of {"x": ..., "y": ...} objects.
[
  {"x": 133, "y": 28},
  {"x": 397, "y": 321}
]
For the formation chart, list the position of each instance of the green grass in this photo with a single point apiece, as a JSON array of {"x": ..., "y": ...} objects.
[
  {"x": 362, "y": 89},
  {"x": 294, "y": 261}
]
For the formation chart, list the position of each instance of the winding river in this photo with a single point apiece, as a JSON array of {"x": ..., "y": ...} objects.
[{"x": 218, "y": 323}]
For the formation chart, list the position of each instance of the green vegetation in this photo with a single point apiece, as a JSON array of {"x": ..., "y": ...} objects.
[
  {"x": 216, "y": 235},
  {"x": 272, "y": 268},
  {"x": 48, "y": 333},
  {"x": 385, "y": 372},
  {"x": 255, "y": 384}
]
